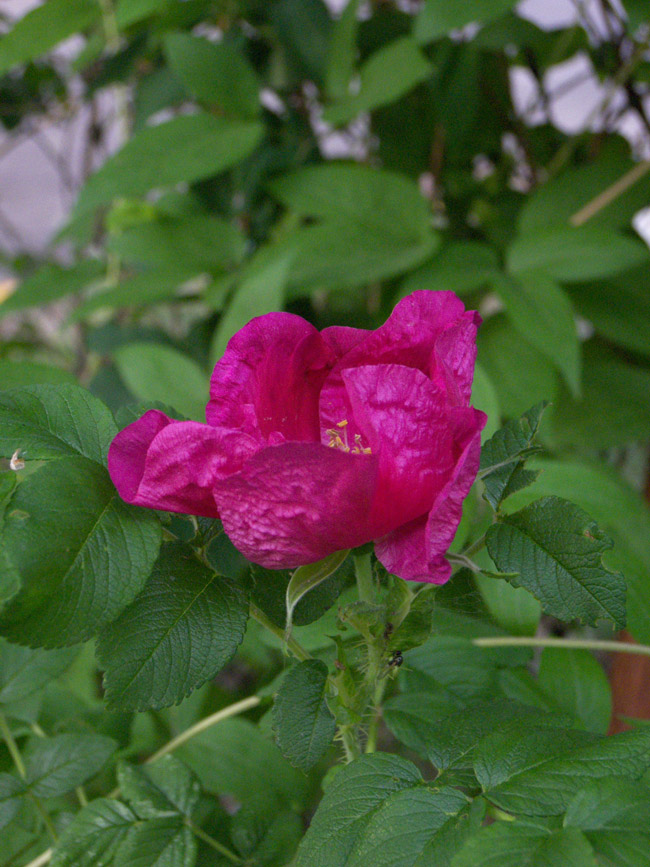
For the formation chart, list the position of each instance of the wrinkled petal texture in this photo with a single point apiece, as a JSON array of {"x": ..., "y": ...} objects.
[
  {"x": 296, "y": 503},
  {"x": 320, "y": 441},
  {"x": 174, "y": 465},
  {"x": 402, "y": 418},
  {"x": 429, "y": 331},
  {"x": 416, "y": 550},
  {"x": 268, "y": 382}
]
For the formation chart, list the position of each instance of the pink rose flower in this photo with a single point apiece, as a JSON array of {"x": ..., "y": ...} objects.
[{"x": 320, "y": 441}]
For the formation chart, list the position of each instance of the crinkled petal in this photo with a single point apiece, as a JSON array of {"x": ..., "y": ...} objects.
[
  {"x": 173, "y": 465},
  {"x": 453, "y": 357},
  {"x": 298, "y": 502},
  {"x": 410, "y": 331},
  {"x": 269, "y": 379},
  {"x": 400, "y": 415},
  {"x": 416, "y": 551},
  {"x": 408, "y": 337},
  {"x": 342, "y": 338}
]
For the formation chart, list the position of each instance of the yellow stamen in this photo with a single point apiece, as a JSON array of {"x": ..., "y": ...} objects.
[{"x": 341, "y": 443}]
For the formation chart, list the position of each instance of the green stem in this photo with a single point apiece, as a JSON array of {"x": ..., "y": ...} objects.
[
  {"x": 474, "y": 548},
  {"x": 298, "y": 651},
  {"x": 373, "y": 728},
  {"x": 17, "y": 759},
  {"x": 365, "y": 580},
  {"x": 567, "y": 643},
  {"x": 226, "y": 712},
  {"x": 214, "y": 844},
  {"x": 11, "y": 745}
]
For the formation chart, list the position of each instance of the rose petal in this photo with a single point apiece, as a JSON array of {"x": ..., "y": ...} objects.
[
  {"x": 402, "y": 417},
  {"x": 269, "y": 379},
  {"x": 408, "y": 338},
  {"x": 453, "y": 357},
  {"x": 298, "y": 502},
  {"x": 342, "y": 339},
  {"x": 173, "y": 465},
  {"x": 416, "y": 551},
  {"x": 409, "y": 332}
]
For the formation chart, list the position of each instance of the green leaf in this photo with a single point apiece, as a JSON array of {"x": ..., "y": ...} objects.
[
  {"x": 53, "y": 421},
  {"x": 618, "y": 308},
  {"x": 570, "y": 254},
  {"x": 303, "y": 724},
  {"x": 215, "y": 73},
  {"x": 375, "y": 224},
  {"x": 520, "y": 373},
  {"x": 556, "y": 551},
  {"x": 235, "y": 758},
  {"x": 261, "y": 291},
  {"x": 621, "y": 513},
  {"x": 541, "y": 311},
  {"x": 577, "y": 684},
  {"x": 507, "y": 844},
  {"x": 466, "y": 672},
  {"x": 340, "y": 255},
  {"x": 438, "y": 17},
  {"x": 269, "y": 592},
  {"x": 540, "y": 774},
  {"x": 24, "y": 671},
  {"x": 503, "y": 456},
  {"x": 162, "y": 789},
  {"x": 57, "y": 765},
  {"x": 15, "y": 374},
  {"x": 388, "y": 74},
  {"x": 304, "y": 28},
  {"x": 413, "y": 716},
  {"x": 356, "y": 793},
  {"x": 81, "y": 559},
  {"x": 614, "y": 815},
  {"x": 154, "y": 372},
  {"x": 513, "y": 608},
  {"x": 485, "y": 398},
  {"x": 400, "y": 831},
  {"x": 193, "y": 243},
  {"x": 50, "y": 283},
  {"x": 462, "y": 266},
  {"x": 614, "y": 409},
  {"x": 11, "y": 797},
  {"x": 448, "y": 736},
  {"x": 308, "y": 577},
  {"x": 179, "y": 632},
  {"x": 151, "y": 286},
  {"x": 377, "y": 201},
  {"x": 150, "y": 160},
  {"x": 94, "y": 835},
  {"x": 42, "y": 28},
  {"x": 342, "y": 52},
  {"x": 553, "y": 203},
  {"x": 164, "y": 842}
]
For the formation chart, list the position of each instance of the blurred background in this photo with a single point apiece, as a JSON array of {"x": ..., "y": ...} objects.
[{"x": 171, "y": 168}]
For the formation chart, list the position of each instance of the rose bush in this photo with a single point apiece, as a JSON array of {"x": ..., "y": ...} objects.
[{"x": 321, "y": 441}]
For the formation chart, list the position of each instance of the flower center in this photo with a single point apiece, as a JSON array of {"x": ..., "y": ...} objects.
[{"x": 339, "y": 440}]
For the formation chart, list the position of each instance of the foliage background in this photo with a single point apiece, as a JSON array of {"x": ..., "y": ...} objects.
[{"x": 274, "y": 156}]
